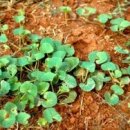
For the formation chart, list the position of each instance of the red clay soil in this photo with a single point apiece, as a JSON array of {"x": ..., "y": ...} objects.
[{"x": 89, "y": 111}]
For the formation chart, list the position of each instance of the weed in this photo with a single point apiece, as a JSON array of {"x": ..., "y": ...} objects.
[
  {"x": 3, "y": 37},
  {"x": 66, "y": 10},
  {"x": 85, "y": 11}
]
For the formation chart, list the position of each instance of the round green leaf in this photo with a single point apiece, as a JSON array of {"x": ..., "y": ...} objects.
[
  {"x": 70, "y": 81},
  {"x": 71, "y": 97},
  {"x": 103, "y": 18},
  {"x": 90, "y": 10},
  {"x": 34, "y": 37},
  {"x": 3, "y": 38},
  {"x": 108, "y": 66},
  {"x": 4, "y": 88},
  {"x": 64, "y": 89},
  {"x": 4, "y": 61},
  {"x": 6, "y": 119},
  {"x": 19, "y": 18},
  {"x": 125, "y": 80},
  {"x": 117, "y": 74},
  {"x": 102, "y": 57},
  {"x": 117, "y": 89},
  {"x": 42, "y": 87},
  {"x": 42, "y": 121},
  {"x": 111, "y": 99},
  {"x": 80, "y": 11},
  {"x": 69, "y": 49},
  {"x": 11, "y": 108},
  {"x": 65, "y": 9},
  {"x": 92, "y": 56},
  {"x": 22, "y": 118},
  {"x": 42, "y": 76},
  {"x": 12, "y": 69},
  {"x": 90, "y": 66},
  {"x": 46, "y": 45},
  {"x": 59, "y": 54},
  {"x": 53, "y": 62},
  {"x": 90, "y": 85},
  {"x": 38, "y": 56},
  {"x": 120, "y": 50},
  {"x": 50, "y": 99},
  {"x": 23, "y": 61},
  {"x": 28, "y": 88},
  {"x": 4, "y": 27},
  {"x": 72, "y": 62},
  {"x": 50, "y": 115}
]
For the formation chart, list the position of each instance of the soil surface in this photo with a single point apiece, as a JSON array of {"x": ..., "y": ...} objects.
[{"x": 89, "y": 111}]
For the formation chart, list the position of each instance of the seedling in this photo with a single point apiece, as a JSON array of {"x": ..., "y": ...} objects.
[
  {"x": 111, "y": 99},
  {"x": 21, "y": 32},
  {"x": 20, "y": 17},
  {"x": 121, "y": 50},
  {"x": 85, "y": 11},
  {"x": 103, "y": 18},
  {"x": 119, "y": 24},
  {"x": 71, "y": 98},
  {"x": 3, "y": 37},
  {"x": 89, "y": 86},
  {"x": 66, "y": 10},
  {"x": 9, "y": 116},
  {"x": 51, "y": 115},
  {"x": 121, "y": 8}
]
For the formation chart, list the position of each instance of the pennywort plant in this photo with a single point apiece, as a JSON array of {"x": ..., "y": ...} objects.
[
  {"x": 47, "y": 74},
  {"x": 3, "y": 36},
  {"x": 125, "y": 52},
  {"x": 91, "y": 77},
  {"x": 65, "y": 10},
  {"x": 21, "y": 32},
  {"x": 116, "y": 24},
  {"x": 85, "y": 11},
  {"x": 41, "y": 87}
]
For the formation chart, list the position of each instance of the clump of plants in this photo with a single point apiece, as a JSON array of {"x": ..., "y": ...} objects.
[
  {"x": 116, "y": 18},
  {"x": 47, "y": 74},
  {"x": 117, "y": 24},
  {"x": 99, "y": 69}
]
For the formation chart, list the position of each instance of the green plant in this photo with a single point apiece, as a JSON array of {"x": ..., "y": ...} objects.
[
  {"x": 116, "y": 17},
  {"x": 93, "y": 78},
  {"x": 20, "y": 17},
  {"x": 85, "y": 11},
  {"x": 120, "y": 8},
  {"x": 21, "y": 31},
  {"x": 103, "y": 18},
  {"x": 121, "y": 50},
  {"x": 3, "y": 37},
  {"x": 66, "y": 10},
  {"x": 119, "y": 24},
  {"x": 40, "y": 87}
]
